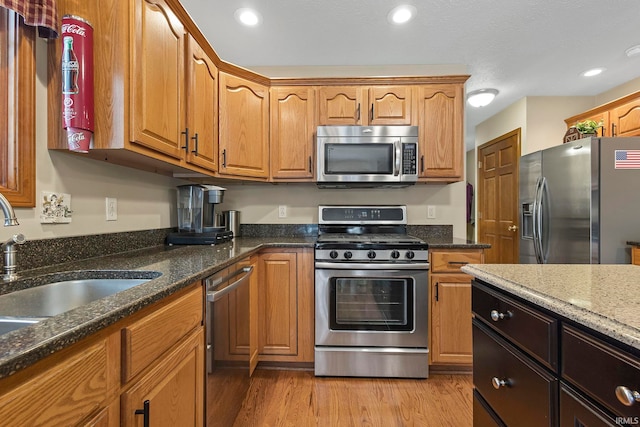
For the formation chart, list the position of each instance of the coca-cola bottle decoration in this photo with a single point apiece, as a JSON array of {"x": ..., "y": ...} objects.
[
  {"x": 77, "y": 82},
  {"x": 70, "y": 68}
]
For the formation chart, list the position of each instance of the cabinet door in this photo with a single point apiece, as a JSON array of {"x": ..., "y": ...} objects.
[
  {"x": 451, "y": 319},
  {"x": 342, "y": 105},
  {"x": 292, "y": 129},
  {"x": 172, "y": 393},
  {"x": 202, "y": 112},
  {"x": 278, "y": 304},
  {"x": 157, "y": 79},
  {"x": 625, "y": 119},
  {"x": 390, "y": 105},
  {"x": 244, "y": 127},
  {"x": 441, "y": 144},
  {"x": 603, "y": 118}
]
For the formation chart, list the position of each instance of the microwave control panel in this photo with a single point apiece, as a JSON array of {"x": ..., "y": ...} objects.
[{"x": 409, "y": 158}]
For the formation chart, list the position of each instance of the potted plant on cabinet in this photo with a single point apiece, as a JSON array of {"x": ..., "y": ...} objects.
[{"x": 588, "y": 127}]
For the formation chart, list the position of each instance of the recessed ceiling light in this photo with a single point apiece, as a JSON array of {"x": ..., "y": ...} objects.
[
  {"x": 593, "y": 72},
  {"x": 247, "y": 17},
  {"x": 481, "y": 97},
  {"x": 402, "y": 14},
  {"x": 633, "y": 51}
]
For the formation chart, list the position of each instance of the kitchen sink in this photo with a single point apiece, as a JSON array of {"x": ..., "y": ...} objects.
[
  {"x": 59, "y": 296},
  {"x": 8, "y": 324}
]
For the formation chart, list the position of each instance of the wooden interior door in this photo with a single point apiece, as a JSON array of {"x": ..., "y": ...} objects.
[{"x": 498, "y": 223}]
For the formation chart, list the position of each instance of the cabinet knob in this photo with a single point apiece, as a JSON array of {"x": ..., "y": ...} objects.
[
  {"x": 627, "y": 396},
  {"x": 497, "y": 383},
  {"x": 496, "y": 315}
]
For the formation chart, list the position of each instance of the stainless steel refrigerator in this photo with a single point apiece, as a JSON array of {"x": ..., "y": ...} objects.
[{"x": 580, "y": 202}]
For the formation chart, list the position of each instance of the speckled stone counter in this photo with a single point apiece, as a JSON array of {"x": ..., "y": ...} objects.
[
  {"x": 605, "y": 298},
  {"x": 180, "y": 266}
]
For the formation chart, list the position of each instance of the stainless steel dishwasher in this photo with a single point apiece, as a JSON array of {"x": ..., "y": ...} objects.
[{"x": 227, "y": 343}]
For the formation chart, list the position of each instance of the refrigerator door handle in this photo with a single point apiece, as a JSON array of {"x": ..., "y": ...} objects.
[
  {"x": 537, "y": 221},
  {"x": 544, "y": 190}
]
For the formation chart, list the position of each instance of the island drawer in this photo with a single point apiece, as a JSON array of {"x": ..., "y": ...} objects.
[
  {"x": 521, "y": 393},
  {"x": 451, "y": 260},
  {"x": 598, "y": 369},
  {"x": 145, "y": 340},
  {"x": 528, "y": 328},
  {"x": 577, "y": 411}
]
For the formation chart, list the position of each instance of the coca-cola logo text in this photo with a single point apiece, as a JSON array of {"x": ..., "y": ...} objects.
[
  {"x": 73, "y": 29},
  {"x": 75, "y": 137}
]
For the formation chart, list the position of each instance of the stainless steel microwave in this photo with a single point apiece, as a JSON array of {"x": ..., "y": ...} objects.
[{"x": 367, "y": 156}]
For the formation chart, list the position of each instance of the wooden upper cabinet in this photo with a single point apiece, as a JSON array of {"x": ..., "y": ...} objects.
[
  {"x": 440, "y": 109},
  {"x": 17, "y": 107},
  {"x": 158, "y": 88},
  {"x": 293, "y": 127},
  {"x": 389, "y": 105},
  {"x": 342, "y": 105},
  {"x": 244, "y": 127},
  {"x": 202, "y": 109},
  {"x": 625, "y": 119}
]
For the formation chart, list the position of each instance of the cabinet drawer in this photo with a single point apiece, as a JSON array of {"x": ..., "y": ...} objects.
[
  {"x": 597, "y": 369},
  {"x": 528, "y": 396},
  {"x": 451, "y": 261},
  {"x": 533, "y": 331},
  {"x": 146, "y": 339},
  {"x": 576, "y": 411},
  {"x": 483, "y": 415}
]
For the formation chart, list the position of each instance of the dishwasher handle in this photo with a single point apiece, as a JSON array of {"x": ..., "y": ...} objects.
[{"x": 215, "y": 295}]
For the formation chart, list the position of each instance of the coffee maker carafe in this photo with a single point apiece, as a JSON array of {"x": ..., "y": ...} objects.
[{"x": 196, "y": 216}]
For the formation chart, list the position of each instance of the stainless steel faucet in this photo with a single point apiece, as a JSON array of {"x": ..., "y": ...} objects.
[{"x": 10, "y": 219}]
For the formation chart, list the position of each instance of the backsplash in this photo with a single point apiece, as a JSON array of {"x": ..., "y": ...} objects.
[{"x": 45, "y": 252}]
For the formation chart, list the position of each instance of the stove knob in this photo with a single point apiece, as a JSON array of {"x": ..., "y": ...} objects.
[
  {"x": 348, "y": 255},
  {"x": 333, "y": 254},
  {"x": 410, "y": 255},
  {"x": 395, "y": 254},
  {"x": 371, "y": 254}
]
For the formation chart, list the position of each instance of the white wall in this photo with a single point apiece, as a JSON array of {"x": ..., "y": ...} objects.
[{"x": 147, "y": 200}]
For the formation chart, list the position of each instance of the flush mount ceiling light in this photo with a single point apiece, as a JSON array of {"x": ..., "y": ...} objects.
[
  {"x": 593, "y": 72},
  {"x": 402, "y": 14},
  {"x": 248, "y": 17},
  {"x": 481, "y": 97},
  {"x": 633, "y": 51}
]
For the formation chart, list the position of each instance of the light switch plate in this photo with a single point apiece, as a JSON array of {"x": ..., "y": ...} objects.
[
  {"x": 111, "y": 205},
  {"x": 431, "y": 212}
]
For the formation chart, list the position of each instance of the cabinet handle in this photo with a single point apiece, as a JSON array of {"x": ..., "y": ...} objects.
[
  {"x": 497, "y": 383},
  {"x": 437, "y": 293},
  {"x": 224, "y": 158},
  {"x": 358, "y": 113},
  {"x": 496, "y": 315},
  {"x": 627, "y": 396},
  {"x": 310, "y": 165},
  {"x": 459, "y": 262},
  {"x": 195, "y": 139},
  {"x": 371, "y": 114},
  {"x": 421, "y": 163},
  {"x": 186, "y": 139},
  {"x": 613, "y": 129},
  {"x": 145, "y": 413}
]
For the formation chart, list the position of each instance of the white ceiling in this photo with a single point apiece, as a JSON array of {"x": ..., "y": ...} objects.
[{"x": 520, "y": 47}]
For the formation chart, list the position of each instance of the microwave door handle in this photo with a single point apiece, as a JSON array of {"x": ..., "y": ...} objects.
[{"x": 398, "y": 158}]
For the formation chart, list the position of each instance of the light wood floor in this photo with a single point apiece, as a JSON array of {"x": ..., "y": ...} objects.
[{"x": 298, "y": 398}]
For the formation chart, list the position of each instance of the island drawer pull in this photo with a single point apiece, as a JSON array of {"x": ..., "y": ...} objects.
[
  {"x": 496, "y": 315},
  {"x": 627, "y": 396}
]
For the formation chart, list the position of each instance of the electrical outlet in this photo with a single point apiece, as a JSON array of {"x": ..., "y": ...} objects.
[
  {"x": 282, "y": 211},
  {"x": 431, "y": 212},
  {"x": 111, "y": 208}
]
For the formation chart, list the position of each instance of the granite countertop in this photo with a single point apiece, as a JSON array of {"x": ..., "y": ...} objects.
[
  {"x": 180, "y": 266},
  {"x": 604, "y": 298}
]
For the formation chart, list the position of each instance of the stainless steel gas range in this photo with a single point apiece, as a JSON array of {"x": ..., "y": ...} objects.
[{"x": 371, "y": 294}]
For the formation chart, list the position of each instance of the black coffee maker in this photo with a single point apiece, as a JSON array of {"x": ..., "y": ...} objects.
[{"x": 197, "y": 217}]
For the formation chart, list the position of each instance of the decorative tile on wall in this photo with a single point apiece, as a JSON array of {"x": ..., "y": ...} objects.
[{"x": 55, "y": 208}]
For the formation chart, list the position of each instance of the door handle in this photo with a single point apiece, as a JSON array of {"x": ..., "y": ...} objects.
[{"x": 512, "y": 228}]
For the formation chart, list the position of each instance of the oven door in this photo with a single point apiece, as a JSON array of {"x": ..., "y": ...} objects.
[{"x": 381, "y": 306}]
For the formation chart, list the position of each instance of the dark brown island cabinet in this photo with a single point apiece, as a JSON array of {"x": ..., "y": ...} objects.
[{"x": 532, "y": 367}]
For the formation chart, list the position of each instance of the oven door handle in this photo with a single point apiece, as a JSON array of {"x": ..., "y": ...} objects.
[
  {"x": 216, "y": 295},
  {"x": 371, "y": 266}
]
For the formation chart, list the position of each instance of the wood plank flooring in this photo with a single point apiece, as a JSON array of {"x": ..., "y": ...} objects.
[{"x": 298, "y": 398}]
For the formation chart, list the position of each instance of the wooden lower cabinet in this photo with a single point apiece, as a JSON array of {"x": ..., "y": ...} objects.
[
  {"x": 635, "y": 255},
  {"x": 285, "y": 305},
  {"x": 450, "y": 307},
  {"x": 88, "y": 384}
]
